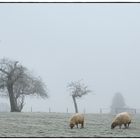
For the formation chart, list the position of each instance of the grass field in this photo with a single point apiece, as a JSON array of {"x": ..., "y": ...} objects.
[{"x": 57, "y": 125}]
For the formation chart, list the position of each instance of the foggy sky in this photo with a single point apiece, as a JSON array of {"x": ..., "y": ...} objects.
[{"x": 98, "y": 43}]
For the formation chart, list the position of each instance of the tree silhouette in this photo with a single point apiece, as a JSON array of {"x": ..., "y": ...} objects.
[
  {"x": 16, "y": 82},
  {"x": 118, "y": 102},
  {"x": 77, "y": 90}
]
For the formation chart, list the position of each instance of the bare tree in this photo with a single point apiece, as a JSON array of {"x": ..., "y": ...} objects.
[
  {"x": 118, "y": 102},
  {"x": 16, "y": 82},
  {"x": 77, "y": 90}
]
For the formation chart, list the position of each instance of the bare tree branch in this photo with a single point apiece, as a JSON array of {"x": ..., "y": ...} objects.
[
  {"x": 2, "y": 70},
  {"x": 77, "y": 90}
]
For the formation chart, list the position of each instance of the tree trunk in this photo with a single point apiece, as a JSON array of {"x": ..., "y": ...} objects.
[
  {"x": 20, "y": 103},
  {"x": 75, "y": 104},
  {"x": 12, "y": 99}
]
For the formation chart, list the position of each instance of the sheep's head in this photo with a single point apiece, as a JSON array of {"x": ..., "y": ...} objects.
[
  {"x": 71, "y": 125},
  {"x": 113, "y": 125}
]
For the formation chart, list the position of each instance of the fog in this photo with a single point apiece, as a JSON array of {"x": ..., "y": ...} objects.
[{"x": 98, "y": 43}]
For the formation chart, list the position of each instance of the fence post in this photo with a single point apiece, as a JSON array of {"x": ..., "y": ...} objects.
[
  {"x": 31, "y": 108},
  {"x": 100, "y": 110},
  {"x": 116, "y": 110},
  {"x": 67, "y": 110},
  {"x": 49, "y": 109},
  {"x": 84, "y": 111}
]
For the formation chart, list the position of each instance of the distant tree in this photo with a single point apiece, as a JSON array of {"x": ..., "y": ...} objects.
[
  {"x": 77, "y": 90},
  {"x": 16, "y": 82},
  {"x": 118, "y": 102}
]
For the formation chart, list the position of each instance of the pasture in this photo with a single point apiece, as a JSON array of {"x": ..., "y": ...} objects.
[{"x": 57, "y": 125}]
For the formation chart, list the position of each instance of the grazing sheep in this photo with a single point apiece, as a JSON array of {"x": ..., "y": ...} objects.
[
  {"x": 121, "y": 118},
  {"x": 77, "y": 119}
]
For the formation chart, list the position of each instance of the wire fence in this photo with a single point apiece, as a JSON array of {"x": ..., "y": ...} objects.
[
  {"x": 104, "y": 110},
  {"x": 5, "y": 108}
]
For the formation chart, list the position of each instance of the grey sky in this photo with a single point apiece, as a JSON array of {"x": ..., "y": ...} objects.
[{"x": 98, "y": 43}]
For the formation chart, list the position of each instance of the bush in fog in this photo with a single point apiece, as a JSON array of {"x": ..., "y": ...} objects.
[
  {"x": 118, "y": 103},
  {"x": 16, "y": 82},
  {"x": 77, "y": 90}
]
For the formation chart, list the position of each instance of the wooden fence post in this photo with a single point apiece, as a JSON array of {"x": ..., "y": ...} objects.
[
  {"x": 100, "y": 110},
  {"x": 49, "y": 109},
  {"x": 84, "y": 111}
]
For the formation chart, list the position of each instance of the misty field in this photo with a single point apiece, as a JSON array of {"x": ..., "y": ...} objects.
[{"x": 57, "y": 125}]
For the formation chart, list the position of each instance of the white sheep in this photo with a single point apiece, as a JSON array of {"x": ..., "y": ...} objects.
[
  {"x": 77, "y": 119},
  {"x": 120, "y": 119}
]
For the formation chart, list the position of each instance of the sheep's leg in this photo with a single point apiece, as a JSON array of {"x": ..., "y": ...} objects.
[
  {"x": 77, "y": 125},
  {"x": 128, "y": 124},
  {"x": 120, "y": 126},
  {"x": 82, "y": 125},
  {"x": 125, "y": 125}
]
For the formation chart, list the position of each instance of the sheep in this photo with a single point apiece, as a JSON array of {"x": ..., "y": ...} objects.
[
  {"x": 121, "y": 118},
  {"x": 77, "y": 119}
]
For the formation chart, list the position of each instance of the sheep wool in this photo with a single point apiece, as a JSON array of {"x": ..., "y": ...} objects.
[
  {"x": 76, "y": 119},
  {"x": 123, "y": 118}
]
